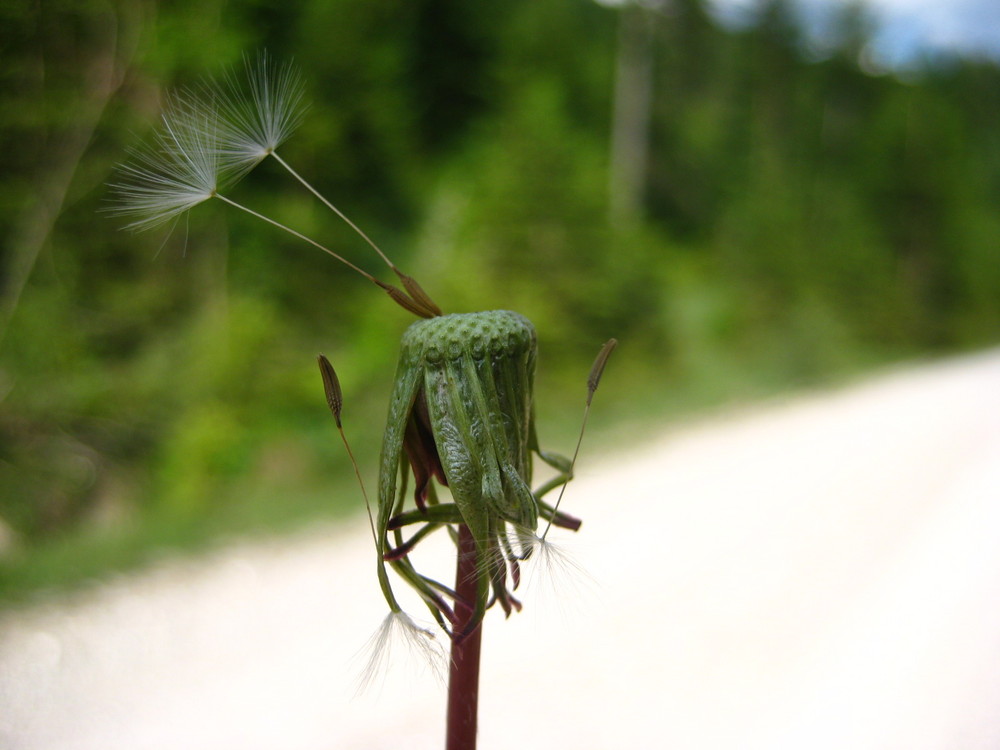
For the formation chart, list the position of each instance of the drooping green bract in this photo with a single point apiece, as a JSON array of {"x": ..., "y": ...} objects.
[{"x": 462, "y": 413}]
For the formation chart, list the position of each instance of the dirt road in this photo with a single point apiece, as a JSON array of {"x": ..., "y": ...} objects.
[{"x": 821, "y": 573}]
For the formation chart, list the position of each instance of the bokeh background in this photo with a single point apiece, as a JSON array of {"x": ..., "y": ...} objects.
[{"x": 750, "y": 196}]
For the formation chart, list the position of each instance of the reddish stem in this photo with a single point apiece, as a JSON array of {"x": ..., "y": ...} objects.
[{"x": 463, "y": 681}]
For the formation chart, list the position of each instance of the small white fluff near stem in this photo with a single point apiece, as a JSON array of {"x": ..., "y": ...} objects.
[
  {"x": 553, "y": 575},
  {"x": 399, "y": 637}
]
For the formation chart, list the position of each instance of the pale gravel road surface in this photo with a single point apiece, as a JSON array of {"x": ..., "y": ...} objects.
[{"x": 821, "y": 573}]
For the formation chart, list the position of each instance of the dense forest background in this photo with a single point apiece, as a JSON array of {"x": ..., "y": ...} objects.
[{"x": 743, "y": 209}]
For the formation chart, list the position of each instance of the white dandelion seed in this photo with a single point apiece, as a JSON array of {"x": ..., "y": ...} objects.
[
  {"x": 184, "y": 167},
  {"x": 397, "y": 630},
  {"x": 554, "y": 566},
  {"x": 259, "y": 114},
  {"x": 212, "y": 137},
  {"x": 174, "y": 174}
]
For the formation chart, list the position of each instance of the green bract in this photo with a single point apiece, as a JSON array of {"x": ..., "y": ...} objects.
[{"x": 461, "y": 413}]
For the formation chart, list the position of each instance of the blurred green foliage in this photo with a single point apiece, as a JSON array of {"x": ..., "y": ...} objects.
[{"x": 798, "y": 218}]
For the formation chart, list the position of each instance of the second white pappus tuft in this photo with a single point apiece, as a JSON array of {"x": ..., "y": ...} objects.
[{"x": 258, "y": 113}]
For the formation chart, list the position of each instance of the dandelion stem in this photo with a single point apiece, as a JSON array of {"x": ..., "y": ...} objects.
[
  {"x": 333, "y": 208},
  {"x": 593, "y": 380},
  {"x": 463, "y": 680},
  {"x": 572, "y": 464},
  {"x": 301, "y": 236},
  {"x": 335, "y": 400}
]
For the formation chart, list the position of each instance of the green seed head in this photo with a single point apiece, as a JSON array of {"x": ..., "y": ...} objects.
[
  {"x": 495, "y": 333},
  {"x": 477, "y": 372}
]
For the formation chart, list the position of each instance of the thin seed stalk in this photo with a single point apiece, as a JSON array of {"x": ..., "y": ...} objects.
[{"x": 463, "y": 680}]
